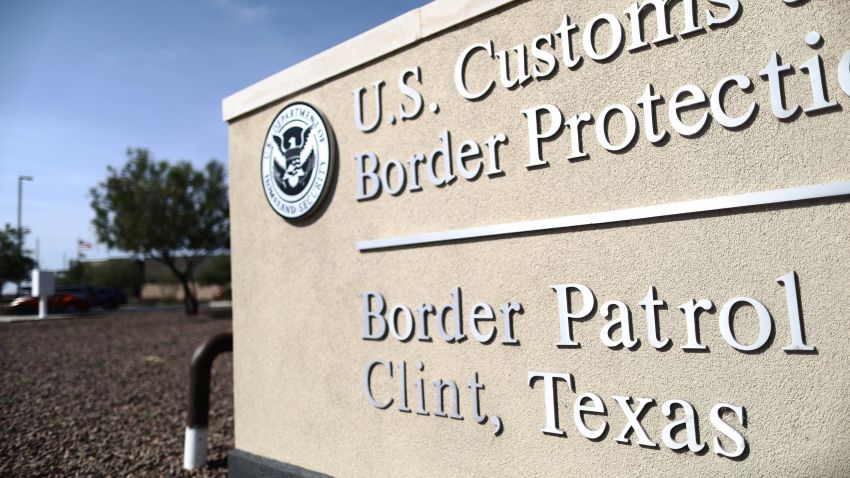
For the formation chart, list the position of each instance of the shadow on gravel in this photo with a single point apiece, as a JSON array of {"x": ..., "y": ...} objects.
[{"x": 218, "y": 464}]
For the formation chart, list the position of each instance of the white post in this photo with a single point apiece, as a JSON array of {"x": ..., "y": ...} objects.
[
  {"x": 42, "y": 286},
  {"x": 195, "y": 448}
]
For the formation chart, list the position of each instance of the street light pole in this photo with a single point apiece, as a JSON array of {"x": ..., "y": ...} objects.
[{"x": 21, "y": 180}]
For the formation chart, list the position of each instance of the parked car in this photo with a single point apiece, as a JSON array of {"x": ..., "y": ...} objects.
[
  {"x": 58, "y": 303},
  {"x": 79, "y": 290},
  {"x": 106, "y": 297},
  {"x": 109, "y": 297}
]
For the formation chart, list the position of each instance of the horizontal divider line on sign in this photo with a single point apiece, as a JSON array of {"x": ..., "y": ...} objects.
[{"x": 761, "y": 198}]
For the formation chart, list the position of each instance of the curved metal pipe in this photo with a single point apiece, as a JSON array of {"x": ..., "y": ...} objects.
[{"x": 197, "y": 418}]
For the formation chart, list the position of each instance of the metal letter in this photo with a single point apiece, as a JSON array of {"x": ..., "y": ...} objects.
[
  {"x": 508, "y": 311},
  {"x": 420, "y": 392},
  {"x": 574, "y": 123},
  {"x": 565, "y": 313},
  {"x": 402, "y": 387},
  {"x": 597, "y": 408},
  {"x": 493, "y": 143},
  {"x": 565, "y": 32},
  {"x": 719, "y": 111},
  {"x": 445, "y": 150},
  {"x": 535, "y": 135},
  {"x": 728, "y": 431},
  {"x": 691, "y": 18},
  {"x": 634, "y": 421},
  {"x": 686, "y": 97},
  {"x": 691, "y": 309},
  {"x": 474, "y": 388},
  {"x": 468, "y": 150},
  {"x": 734, "y": 7},
  {"x": 460, "y": 71},
  {"x": 367, "y": 382},
  {"x": 765, "y": 324},
  {"x": 358, "y": 107},
  {"x": 424, "y": 310},
  {"x": 482, "y": 312},
  {"x": 795, "y": 314},
  {"x": 773, "y": 73},
  {"x": 689, "y": 421},
  {"x": 400, "y": 176},
  {"x": 544, "y": 56},
  {"x": 522, "y": 67},
  {"x": 662, "y": 21},
  {"x": 393, "y": 323},
  {"x": 650, "y": 119},
  {"x": 410, "y": 93},
  {"x": 458, "y": 336},
  {"x": 616, "y": 36},
  {"x": 363, "y": 174},
  {"x": 413, "y": 164},
  {"x": 602, "y": 127},
  {"x": 549, "y": 392},
  {"x": 649, "y": 303},
  {"x": 369, "y": 314},
  {"x": 624, "y": 320},
  {"x": 814, "y": 68},
  {"x": 439, "y": 386}
]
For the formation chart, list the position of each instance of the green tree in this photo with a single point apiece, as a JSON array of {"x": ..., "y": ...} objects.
[
  {"x": 76, "y": 274},
  {"x": 215, "y": 271},
  {"x": 15, "y": 261},
  {"x": 121, "y": 273},
  {"x": 170, "y": 213},
  {"x": 126, "y": 274}
]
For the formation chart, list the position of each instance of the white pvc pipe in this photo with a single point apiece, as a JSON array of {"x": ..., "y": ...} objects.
[
  {"x": 42, "y": 307},
  {"x": 195, "y": 448}
]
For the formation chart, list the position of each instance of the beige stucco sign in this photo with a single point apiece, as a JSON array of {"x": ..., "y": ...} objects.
[{"x": 549, "y": 238}]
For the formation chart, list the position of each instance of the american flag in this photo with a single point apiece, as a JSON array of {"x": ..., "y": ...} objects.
[{"x": 83, "y": 245}]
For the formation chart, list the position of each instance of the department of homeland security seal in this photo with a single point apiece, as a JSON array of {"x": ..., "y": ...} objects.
[{"x": 298, "y": 161}]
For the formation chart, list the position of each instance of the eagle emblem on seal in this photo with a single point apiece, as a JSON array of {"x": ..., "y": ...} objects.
[
  {"x": 294, "y": 159},
  {"x": 298, "y": 162}
]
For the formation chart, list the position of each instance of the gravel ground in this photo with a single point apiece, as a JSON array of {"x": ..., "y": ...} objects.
[{"x": 106, "y": 396}]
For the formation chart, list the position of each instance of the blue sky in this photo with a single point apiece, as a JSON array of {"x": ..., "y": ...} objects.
[{"x": 81, "y": 81}]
